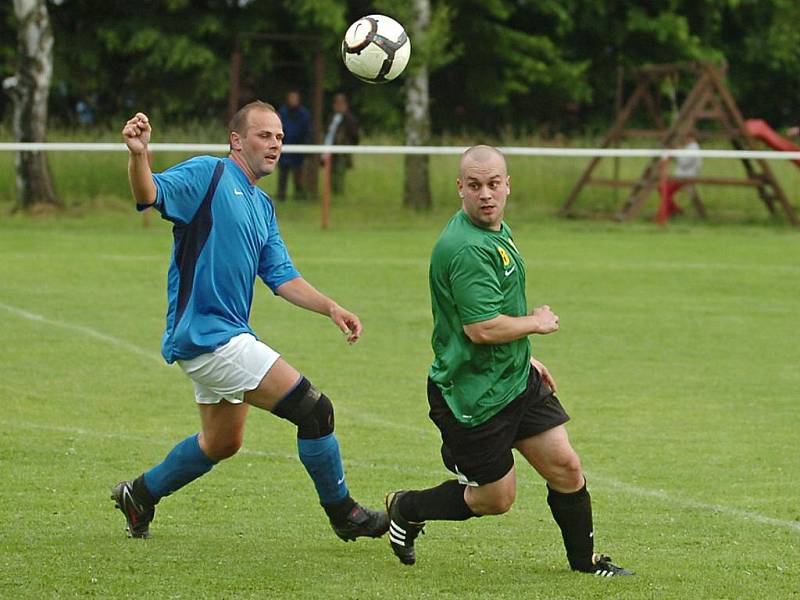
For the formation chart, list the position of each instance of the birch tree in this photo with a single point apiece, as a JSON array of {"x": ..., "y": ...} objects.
[
  {"x": 428, "y": 27},
  {"x": 30, "y": 89},
  {"x": 417, "y": 186}
]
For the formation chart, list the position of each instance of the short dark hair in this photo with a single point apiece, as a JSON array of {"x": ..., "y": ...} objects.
[{"x": 238, "y": 122}]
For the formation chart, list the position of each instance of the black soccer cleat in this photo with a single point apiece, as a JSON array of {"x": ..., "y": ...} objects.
[
  {"x": 402, "y": 533},
  {"x": 603, "y": 567},
  {"x": 362, "y": 522},
  {"x": 137, "y": 515}
]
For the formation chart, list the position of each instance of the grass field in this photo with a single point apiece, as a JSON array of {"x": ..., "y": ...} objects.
[{"x": 677, "y": 359}]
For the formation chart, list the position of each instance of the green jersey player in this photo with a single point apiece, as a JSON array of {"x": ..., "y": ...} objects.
[{"x": 487, "y": 394}]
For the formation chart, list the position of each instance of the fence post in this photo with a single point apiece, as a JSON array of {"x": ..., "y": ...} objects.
[{"x": 327, "y": 161}]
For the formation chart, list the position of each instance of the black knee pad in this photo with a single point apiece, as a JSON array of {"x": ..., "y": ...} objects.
[
  {"x": 309, "y": 409},
  {"x": 319, "y": 422}
]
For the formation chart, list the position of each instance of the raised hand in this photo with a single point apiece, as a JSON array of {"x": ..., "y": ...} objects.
[{"x": 137, "y": 133}]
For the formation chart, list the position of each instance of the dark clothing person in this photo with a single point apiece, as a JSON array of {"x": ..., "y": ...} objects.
[
  {"x": 342, "y": 130},
  {"x": 297, "y": 130}
]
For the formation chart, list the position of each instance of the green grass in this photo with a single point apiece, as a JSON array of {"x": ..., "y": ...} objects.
[{"x": 677, "y": 360}]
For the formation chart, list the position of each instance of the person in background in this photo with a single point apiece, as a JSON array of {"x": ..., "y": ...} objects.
[
  {"x": 686, "y": 168},
  {"x": 85, "y": 113},
  {"x": 342, "y": 130},
  {"x": 297, "y": 130}
]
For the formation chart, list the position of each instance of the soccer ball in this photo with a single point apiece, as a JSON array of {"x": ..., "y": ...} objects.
[{"x": 376, "y": 49}]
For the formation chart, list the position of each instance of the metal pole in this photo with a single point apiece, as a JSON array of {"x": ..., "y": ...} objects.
[
  {"x": 327, "y": 161},
  {"x": 316, "y": 117},
  {"x": 617, "y": 109}
]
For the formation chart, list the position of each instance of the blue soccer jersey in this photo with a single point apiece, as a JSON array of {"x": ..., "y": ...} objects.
[{"x": 226, "y": 234}]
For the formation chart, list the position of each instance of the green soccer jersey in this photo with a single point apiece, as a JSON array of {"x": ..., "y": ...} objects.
[{"x": 475, "y": 275}]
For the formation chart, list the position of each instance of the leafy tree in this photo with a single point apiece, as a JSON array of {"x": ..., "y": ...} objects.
[
  {"x": 510, "y": 64},
  {"x": 508, "y": 69},
  {"x": 174, "y": 55},
  {"x": 761, "y": 41},
  {"x": 8, "y": 54}
]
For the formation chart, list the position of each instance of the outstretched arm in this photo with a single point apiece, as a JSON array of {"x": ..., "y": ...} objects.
[
  {"x": 137, "y": 137},
  {"x": 503, "y": 329},
  {"x": 301, "y": 293}
]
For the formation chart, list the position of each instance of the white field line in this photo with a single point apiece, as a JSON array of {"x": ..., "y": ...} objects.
[
  {"x": 87, "y": 331},
  {"x": 93, "y": 333},
  {"x": 611, "y": 483},
  {"x": 138, "y": 439},
  {"x": 608, "y": 482},
  {"x": 746, "y": 515}
]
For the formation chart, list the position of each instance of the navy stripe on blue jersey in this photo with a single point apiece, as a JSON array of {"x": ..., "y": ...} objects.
[{"x": 190, "y": 239}]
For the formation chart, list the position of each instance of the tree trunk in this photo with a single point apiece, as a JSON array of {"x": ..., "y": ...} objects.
[
  {"x": 417, "y": 186},
  {"x": 30, "y": 92}
]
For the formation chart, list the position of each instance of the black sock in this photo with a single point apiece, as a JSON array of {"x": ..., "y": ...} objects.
[
  {"x": 140, "y": 492},
  {"x": 339, "y": 512},
  {"x": 445, "y": 502},
  {"x": 573, "y": 513}
]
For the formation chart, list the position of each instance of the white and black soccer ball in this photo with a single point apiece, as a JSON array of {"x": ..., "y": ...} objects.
[{"x": 376, "y": 49}]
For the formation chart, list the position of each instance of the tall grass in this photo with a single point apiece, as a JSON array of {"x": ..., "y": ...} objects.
[{"x": 97, "y": 180}]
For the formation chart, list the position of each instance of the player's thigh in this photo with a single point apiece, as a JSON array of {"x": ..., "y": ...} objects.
[
  {"x": 222, "y": 428},
  {"x": 278, "y": 381},
  {"x": 493, "y": 498},
  {"x": 552, "y": 455},
  {"x": 478, "y": 455}
]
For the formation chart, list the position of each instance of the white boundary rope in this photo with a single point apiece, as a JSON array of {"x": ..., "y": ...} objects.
[{"x": 446, "y": 150}]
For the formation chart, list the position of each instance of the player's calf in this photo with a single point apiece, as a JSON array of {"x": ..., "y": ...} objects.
[
  {"x": 137, "y": 499},
  {"x": 573, "y": 514},
  {"x": 312, "y": 412}
]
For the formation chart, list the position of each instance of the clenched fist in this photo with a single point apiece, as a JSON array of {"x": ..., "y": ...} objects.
[
  {"x": 137, "y": 133},
  {"x": 546, "y": 318}
]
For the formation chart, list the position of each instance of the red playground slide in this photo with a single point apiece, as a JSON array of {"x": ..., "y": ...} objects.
[{"x": 759, "y": 128}]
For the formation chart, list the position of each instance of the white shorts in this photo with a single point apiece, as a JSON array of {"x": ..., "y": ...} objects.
[{"x": 229, "y": 371}]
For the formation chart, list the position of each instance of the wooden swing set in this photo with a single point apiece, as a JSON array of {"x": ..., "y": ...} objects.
[{"x": 709, "y": 100}]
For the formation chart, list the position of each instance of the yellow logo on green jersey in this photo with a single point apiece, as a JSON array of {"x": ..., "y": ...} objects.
[{"x": 504, "y": 256}]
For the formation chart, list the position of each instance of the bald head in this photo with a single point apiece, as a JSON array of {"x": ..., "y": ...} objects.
[
  {"x": 483, "y": 185},
  {"x": 481, "y": 154}
]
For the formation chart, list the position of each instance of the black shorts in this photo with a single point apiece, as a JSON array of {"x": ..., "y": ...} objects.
[{"x": 482, "y": 454}]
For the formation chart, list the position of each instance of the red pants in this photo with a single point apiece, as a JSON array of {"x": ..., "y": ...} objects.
[{"x": 667, "y": 207}]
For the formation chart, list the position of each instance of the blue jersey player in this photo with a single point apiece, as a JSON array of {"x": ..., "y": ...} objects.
[{"x": 226, "y": 235}]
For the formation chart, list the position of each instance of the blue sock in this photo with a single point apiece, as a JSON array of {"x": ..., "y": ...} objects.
[
  {"x": 322, "y": 460},
  {"x": 184, "y": 463}
]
